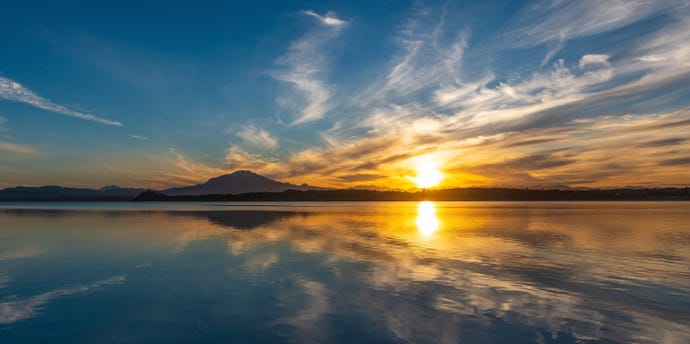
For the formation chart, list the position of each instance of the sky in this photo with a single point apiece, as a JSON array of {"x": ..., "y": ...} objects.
[{"x": 346, "y": 93}]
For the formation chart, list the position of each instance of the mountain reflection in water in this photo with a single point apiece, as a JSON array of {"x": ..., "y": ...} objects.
[{"x": 342, "y": 272}]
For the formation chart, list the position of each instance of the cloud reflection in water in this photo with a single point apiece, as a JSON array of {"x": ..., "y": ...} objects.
[
  {"x": 551, "y": 272},
  {"x": 17, "y": 309}
]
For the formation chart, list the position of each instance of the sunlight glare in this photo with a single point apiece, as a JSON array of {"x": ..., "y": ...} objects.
[
  {"x": 427, "y": 222},
  {"x": 427, "y": 176}
]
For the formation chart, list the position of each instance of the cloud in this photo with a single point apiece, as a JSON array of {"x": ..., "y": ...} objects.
[
  {"x": 304, "y": 67},
  {"x": 590, "y": 152},
  {"x": 13, "y": 91},
  {"x": 24, "y": 252},
  {"x": 416, "y": 70},
  {"x": 464, "y": 119},
  {"x": 531, "y": 163},
  {"x": 665, "y": 142},
  {"x": 237, "y": 158},
  {"x": 256, "y": 137},
  {"x": 359, "y": 156},
  {"x": 430, "y": 55},
  {"x": 187, "y": 171},
  {"x": 449, "y": 97},
  {"x": 139, "y": 137},
  {"x": 488, "y": 101},
  {"x": 594, "y": 60},
  {"x": 26, "y": 308},
  {"x": 676, "y": 162},
  {"x": 584, "y": 152},
  {"x": 560, "y": 21},
  {"x": 17, "y": 148},
  {"x": 329, "y": 19},
  {"x": 312, "y": 306},
  {"x": 405, "y": 267},
  {"x": 361, "y": 177}
]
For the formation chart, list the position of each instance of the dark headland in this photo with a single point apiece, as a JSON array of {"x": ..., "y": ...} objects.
[{"x": 459, "y": 194}]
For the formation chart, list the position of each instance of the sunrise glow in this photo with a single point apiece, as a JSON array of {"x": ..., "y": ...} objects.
[
  {"x": 427, "y": 176},
  {"x": 345, "y": 171}
]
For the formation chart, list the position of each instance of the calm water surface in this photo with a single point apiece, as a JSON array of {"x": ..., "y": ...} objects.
[{"x": 443, "y": 272}]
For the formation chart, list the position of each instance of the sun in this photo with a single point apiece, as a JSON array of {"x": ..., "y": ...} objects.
[{"x": 427, "y": 176}]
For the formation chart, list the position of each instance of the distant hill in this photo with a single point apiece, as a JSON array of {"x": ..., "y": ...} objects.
[
  {"x": 238, "y": 182},
  {"x": 59, "y": 193},
  {"x": 235, "y": 183}
]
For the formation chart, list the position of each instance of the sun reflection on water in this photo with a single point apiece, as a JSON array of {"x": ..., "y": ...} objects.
[{"x": 427, "y": 222}]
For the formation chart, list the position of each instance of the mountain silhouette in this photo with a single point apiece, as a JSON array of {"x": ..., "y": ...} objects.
[
  {"x": 236, "y": 183},
  {"x": 49, "y": 193}
]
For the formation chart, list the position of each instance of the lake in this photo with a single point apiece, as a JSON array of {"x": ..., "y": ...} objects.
[{"x": 441, "y": 272}]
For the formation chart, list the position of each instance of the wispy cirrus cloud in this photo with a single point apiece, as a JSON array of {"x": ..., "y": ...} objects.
[
  {"x": 477, "y": 104},
  {"x": 555, "y": 22},
  {"x": 17, "y": 148},
  {"x": 14, "y": 91},
  {"x": 304, "y": 66},
  {"x": 430, "y": 53},
  {"x": 497, "y": 98}
]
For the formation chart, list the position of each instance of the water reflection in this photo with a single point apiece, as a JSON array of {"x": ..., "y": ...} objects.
[
  {"x": 427, "y": 222},
  {"x": 25, "y": 308},
  {"x": 509, "y": 272}
]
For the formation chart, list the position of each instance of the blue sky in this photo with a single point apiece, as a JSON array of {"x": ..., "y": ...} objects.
[{"x": 544, "y": 93}]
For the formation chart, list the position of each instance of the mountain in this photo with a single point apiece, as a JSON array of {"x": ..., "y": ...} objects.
[
  {"x": 236, "y": 183},
  {"x": 59, "y": 193}
]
